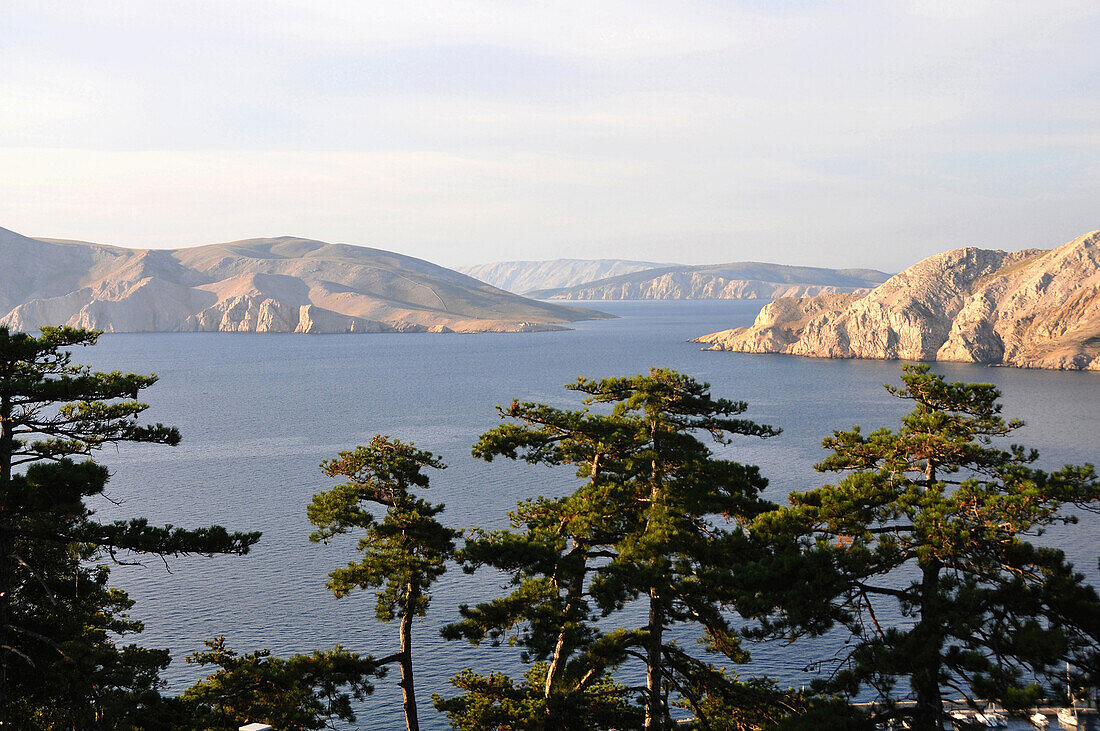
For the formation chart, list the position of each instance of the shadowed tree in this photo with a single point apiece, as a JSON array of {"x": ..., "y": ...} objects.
[
  {"x": 931, "y": 522},
  {"x": 404, "y": 552},
  {"x": 298, "y": 693},
  {"x": 78, "y": 673},
  {"x": 57, "y": 615}
]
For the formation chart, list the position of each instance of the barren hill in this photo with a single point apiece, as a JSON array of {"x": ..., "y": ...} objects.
[
  {"x": 1033, "y": 309},
  {"x": 283, "y": 284},
  {"x": 737, "y": 280},
  {"x": 523, "y": 277}
]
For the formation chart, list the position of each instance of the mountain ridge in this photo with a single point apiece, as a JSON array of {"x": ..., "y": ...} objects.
[
  {"x": 733, "y": 280},
  {"x": 523, "y": 277},
  {"x": 277, "y": 284}
]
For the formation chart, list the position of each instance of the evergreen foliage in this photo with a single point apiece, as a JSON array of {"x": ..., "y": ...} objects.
[
  {"x": 61, "y": 665},
  {"x": 404, "y": 553},
  {"x": 78, "y": 674},
  {"x": 931, "y": 522},
  {"x": 495, "y": 701},
  {"x": 921, "y": 552},
  {"x": 298, "y": 693},
  {"x": 657, "y": 518}
]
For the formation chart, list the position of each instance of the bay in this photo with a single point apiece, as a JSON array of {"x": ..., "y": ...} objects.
[{"x": 259, "y": 413}]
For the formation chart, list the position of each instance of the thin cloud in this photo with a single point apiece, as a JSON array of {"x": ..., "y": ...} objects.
[{"x": 820, "y": 134}]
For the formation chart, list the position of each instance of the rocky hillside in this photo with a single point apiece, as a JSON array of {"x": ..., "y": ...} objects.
[
  {"x": 1032, "y": 309},
  {"x": 522, "y": 277},
  {"x": 280, "y": 284},
  {"x": 739, "y": 280}
]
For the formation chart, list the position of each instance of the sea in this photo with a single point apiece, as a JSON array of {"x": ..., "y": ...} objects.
[{"x": 259, "y": 413}]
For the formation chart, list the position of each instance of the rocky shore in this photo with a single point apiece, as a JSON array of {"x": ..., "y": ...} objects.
[{"x": 1029, "y": 309}]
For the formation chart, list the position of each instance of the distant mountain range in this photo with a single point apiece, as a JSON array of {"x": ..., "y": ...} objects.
[
  {"x": 522, "y": 277},
  {"x": 738, "y": 280},
  {"x": 283, "y": 284},
  {"x": 1032, "y": 309},
  {"x": 613, "y": 279}
]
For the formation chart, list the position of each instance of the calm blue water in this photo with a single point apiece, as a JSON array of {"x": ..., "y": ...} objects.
[{"x": 258, "y": 413}]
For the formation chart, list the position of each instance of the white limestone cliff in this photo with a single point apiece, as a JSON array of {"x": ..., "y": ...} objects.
[{"x": 1032, "y": 309}]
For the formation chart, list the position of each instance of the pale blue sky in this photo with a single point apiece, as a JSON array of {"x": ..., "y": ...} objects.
[{"x": 831, "y": 134}]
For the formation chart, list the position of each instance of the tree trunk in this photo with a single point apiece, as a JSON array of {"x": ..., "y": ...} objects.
[
  {"x": 407, "y": 695},
  {"x": 7, "y": 441},
  {"x": 925, "y": 681},
  {"x": 573, "y": 598},
  {"x": 556, "y": 665},
  {"x": 7, "y": 446},
  {"x": 6, "y": 549},
  {"x": 654, "y": 712},
  {"x": 576, "y": 588}
]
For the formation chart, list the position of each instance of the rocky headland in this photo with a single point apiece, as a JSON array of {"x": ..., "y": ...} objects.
[
  {"x": 283, "y": 284},
  {"x": 1030, "y": 309}
]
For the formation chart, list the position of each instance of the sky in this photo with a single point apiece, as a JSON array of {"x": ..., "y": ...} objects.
[{"x": 841, "y": 134}]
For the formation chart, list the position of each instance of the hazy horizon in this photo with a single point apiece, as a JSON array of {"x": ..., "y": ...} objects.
[{"x": 465, "y": 133}]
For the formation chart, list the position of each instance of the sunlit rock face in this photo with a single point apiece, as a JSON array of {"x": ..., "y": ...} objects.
[
  {"x": 1031, "y": 309},
  {"x": 283, "y": 284}
]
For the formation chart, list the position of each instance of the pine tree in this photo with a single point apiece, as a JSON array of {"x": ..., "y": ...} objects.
[
  {"x": 404, "y": 553},
  {"x": 677, "y": 556},
  {"x": 297, "y": 693},
  {"x": 550, "y": 553},
  {"x": 652, "y": 521},
  {"x": 931, "y": 521},
  {"x": 498, "y": 702},
  {"x": 78, "y": 674},
  {"x": 52, "y": 410}
]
